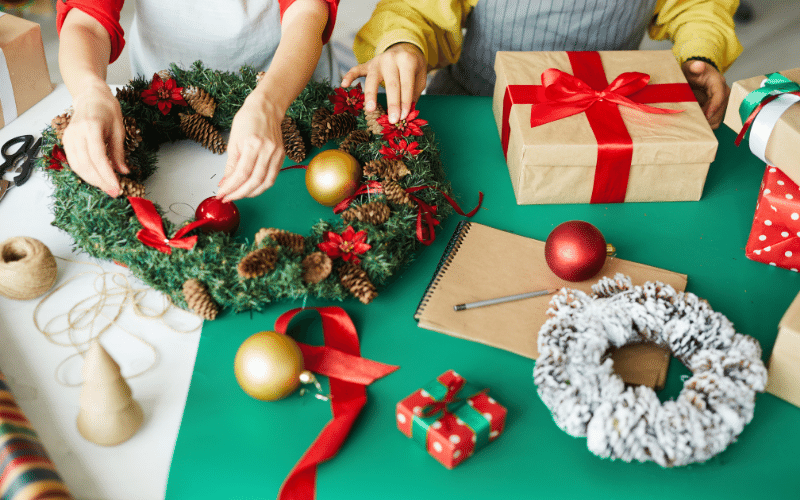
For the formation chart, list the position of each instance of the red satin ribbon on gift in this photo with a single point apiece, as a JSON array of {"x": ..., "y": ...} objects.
[
  {"x": 588, "y": 91},
  {"x": 349, "y": 374},
  {"x": 153, "y": 234}
]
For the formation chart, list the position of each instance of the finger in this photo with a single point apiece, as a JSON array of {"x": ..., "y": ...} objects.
[
  {"x": 420, "y": 82},
  {"x": 230, "y": 165},
  {"x": 102, "y": 166},
  {"x": 408, "y": 87},
  {"x": 117, "y": 148},
  {"x": 353, "y": 73},
  {"x": 253, "y": 186},
  {"x": 697, "y": 67},
  {"x": 241, "y": 173},
  {"x": 371, "y": 84},
  {"x": 391, "y": 80}
]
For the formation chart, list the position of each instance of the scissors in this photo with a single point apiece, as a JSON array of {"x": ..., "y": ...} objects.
[{"x": 20, "y": 161}]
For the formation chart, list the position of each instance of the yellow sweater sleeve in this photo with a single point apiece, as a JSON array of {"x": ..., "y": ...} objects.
[
  {"x": 432, "y": 25},
  {"x": 698, "y": 28}
]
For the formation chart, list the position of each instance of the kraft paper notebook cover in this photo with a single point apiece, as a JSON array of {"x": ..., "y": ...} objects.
[{"x": 481, "y": 262}]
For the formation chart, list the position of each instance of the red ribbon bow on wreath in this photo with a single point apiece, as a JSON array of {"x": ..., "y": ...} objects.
[
  {"x": 152, "y": 234},
  {"x": 349, "y": 374},
  {"x": 588, "y": 91}
]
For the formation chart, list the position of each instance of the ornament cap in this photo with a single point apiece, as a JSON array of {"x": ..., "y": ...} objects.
[{"x": 611, "y": 250}]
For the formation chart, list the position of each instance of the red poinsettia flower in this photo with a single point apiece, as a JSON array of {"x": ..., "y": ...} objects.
[
  {"x": 57, "y": 158},
  {"x": 410, "y": 125},
  {"x": 347, "y": 245},
  {"x": 396, "y": 150},
  {"x": 164, "y": 94},
  {"x": 349, "y": 101}
]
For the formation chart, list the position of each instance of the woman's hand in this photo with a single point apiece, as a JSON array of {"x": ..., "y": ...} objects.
[
  {"x": 255, "y": 150},
  {"x": 709, "y": 88},
  {"x": 94, "y": 139}
]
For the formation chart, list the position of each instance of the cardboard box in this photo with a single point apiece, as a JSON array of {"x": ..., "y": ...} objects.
[
  {"x": 463, "y": 418},
  {"x": 774, "y": 237},
  {"x": 783, "y": 145},
  {"x": 556, "y": 162},
  {"x": 784, "y": 363},
  {"x": 24, "y": 78}
]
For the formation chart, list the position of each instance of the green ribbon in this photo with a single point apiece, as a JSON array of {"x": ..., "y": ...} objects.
[
  {"x": 776, "y": 83},
  {"x": 472, "y": 418}
]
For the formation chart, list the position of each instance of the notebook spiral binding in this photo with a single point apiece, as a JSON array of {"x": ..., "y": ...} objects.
[{"x": 447, "y": 257}]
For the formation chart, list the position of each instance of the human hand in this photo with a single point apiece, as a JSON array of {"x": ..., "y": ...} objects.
[
  {"x": 255, "y": 150},
  {"x": 403, "y": 70},
  {"x": 93, "y": 141},
  {"x": 709, "y": 88}
]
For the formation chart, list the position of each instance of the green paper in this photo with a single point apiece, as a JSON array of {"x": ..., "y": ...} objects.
[{"x": 231, "y": 446}]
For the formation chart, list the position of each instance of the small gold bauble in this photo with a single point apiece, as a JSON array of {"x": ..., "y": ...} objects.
[
  {"x": 332, "y": 176},
  {"x": 268, "y": 366}
]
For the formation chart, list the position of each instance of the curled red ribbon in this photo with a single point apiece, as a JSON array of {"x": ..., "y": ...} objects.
[
  {"x": 588, "y": 91},
  {"x": 426, "y": 214},
  {"x": 349, "y": 374},
  {"x": 152, "y": 234},
  {"x": 369, "y": 187}
]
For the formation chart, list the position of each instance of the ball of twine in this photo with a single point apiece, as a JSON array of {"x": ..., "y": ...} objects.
[{"x": 27, "y": 268}]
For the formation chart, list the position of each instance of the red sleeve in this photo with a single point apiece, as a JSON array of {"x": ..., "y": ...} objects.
[
  {"x": 106, "y": 12},
  {"x": 332, "y": 6}
]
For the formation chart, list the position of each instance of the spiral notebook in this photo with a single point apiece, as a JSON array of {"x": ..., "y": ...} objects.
[{"x": 481, "y": 262}]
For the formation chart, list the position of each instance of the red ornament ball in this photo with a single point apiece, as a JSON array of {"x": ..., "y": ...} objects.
[
  {"x": 575, "y": 250},
  {"x": 224, "y": 216}
]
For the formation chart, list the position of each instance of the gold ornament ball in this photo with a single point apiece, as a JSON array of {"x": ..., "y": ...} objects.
[
  {"x": 268, "y": 366},
  {"x": 332, "y": 176}
]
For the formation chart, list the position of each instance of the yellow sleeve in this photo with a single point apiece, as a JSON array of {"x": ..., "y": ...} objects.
[
  {"x": 698, "y": 28},
  {"x": 432, "y": 25}
]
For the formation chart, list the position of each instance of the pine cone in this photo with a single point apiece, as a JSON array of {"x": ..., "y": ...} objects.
[
  {"x": 395, "y": 193},
  {"x": 356, "y": 281},
  {"x": 164, "y": 74},
  {"x": 59, "y": 123},
  {"x": 199, "y": 300},
  {"x": 372, "y": 213},
  {"x": 133, "y": 136},
  {"x": 201, "y": 130},
  {"x": 293, "y": 144},
  {"x": 259, "y": 76},
  {"x": 127, "y": 94},
  {"x": 339, "y": 125},
  {"x": 316, "y": 267},
  {"x": 319, "y": 127},
  {"x": 372, "y": 120},
  {"x": 129, "y": 187},
  {"x": 258, "y": 262},
  {"x": 200, "y": 101},
  {"x": 294, "y": 242},
  {"x": 392, "y": 170},
  {"x": 353, "y": 138}
]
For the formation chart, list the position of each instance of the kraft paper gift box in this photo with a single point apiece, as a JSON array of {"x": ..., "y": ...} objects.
[
  {"x": 451, "y": 418},
  {"x": 24, "y": 78},
  {"x": 605, "y": 153},
  {"x": 784, "y": 363},
  {"x": 774, "y": 135}
]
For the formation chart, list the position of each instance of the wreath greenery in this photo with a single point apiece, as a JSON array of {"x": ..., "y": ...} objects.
[{"x": 106, "y": 227}]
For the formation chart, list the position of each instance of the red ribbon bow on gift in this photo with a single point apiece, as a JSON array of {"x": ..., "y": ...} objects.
[
  {"x": 588, "y": 91},
  {"x": 349, "y": 374},
  {"x": 153, "y": 234}
]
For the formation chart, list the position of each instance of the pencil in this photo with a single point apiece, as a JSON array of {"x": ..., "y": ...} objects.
[{"x": 500, "y": 300}]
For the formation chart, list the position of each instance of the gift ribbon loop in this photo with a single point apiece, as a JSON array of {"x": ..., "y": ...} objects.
[
  {"x": 775, "y": 83},
  {"x": 152, "y": 233},
  {"x": 340, "y": 359}
]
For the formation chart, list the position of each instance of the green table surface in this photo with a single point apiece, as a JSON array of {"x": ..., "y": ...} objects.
[{"x": 232, "y": 446}]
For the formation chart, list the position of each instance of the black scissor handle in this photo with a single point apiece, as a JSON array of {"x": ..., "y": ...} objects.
[
  {"x": 27, "y": 165},
  {"x": 11, "y": 158}
]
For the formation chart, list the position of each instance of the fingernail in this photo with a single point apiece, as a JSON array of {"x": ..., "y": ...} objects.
[
  {"x": 392, "y": 117},
  {"x": 370, "y": 106},
  {"x": 342, "y": 84}
]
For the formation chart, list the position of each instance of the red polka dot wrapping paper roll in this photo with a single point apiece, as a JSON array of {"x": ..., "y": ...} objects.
[
  {"x": 26, "y": 472},
  {"x": 775, "y": 235},
  {"x": 459, "y": 428}
]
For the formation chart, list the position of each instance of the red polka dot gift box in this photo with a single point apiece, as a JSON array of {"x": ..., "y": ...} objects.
[
  {"x": 451, "y": 418},
  {"x": 775, "y": 235}
]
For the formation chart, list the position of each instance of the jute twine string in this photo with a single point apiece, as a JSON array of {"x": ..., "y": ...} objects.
[
  {"x": 92, "y": 316},
  {"x": 27, "y": 268}
]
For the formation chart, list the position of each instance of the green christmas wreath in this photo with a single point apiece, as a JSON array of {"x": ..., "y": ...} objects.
[{"x": 403, "y": 197}]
